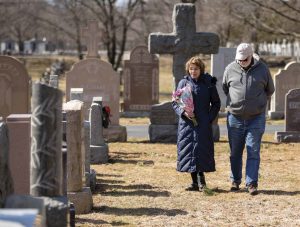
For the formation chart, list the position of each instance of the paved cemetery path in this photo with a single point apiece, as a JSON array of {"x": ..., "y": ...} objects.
[{"x": 141, "y": 131}]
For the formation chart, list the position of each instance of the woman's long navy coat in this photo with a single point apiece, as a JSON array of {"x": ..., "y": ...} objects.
[{"x": 195, "y": 145}]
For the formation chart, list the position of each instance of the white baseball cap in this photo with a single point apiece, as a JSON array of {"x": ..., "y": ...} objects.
[{"x": 243, "y": 51}]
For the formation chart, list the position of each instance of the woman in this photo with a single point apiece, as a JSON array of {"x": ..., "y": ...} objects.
[{"x": 195, "y": 144}]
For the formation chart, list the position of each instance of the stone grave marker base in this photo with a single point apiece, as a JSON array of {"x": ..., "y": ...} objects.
[
  {"x": 163, "y": 133},
  {"x": 82, "y": 200},
  {"x": 276, "y": 115},
  {"x": 287, "y": 137},
  {"x": 115, "y": 133},
  {"x": 99, "y": 154},
  {"x": 54, "y": 211},
  {"x": 90, "y": 179}
]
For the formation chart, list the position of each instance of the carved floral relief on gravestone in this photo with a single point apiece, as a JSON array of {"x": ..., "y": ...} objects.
[
  {"x": 46, "y": 138},
  {"x": 141, "y": 80},
  {"x": 14, "y": 87}
]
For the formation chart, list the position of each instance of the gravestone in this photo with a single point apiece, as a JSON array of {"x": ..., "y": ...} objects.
[
  {"x": 285, "y": 80},
  {"x": 90, "y": 174},
  {"x": 46, "y": 137},
  {"x": 184, "y": 42},
  {"x": 219, "y": 62},
  {"x": 97, "y": 78},
  {"x": 79, "y": 195},
  {"x": 141, "y": 82},
  {"x": 292, "y": 118},
  {"x": 54, "y": 82},
  {"x": 76, "y": 94},
  {"x": 6, "y": 182},
  {"x": 98, "y": 147},
  {"x": 19, "y": 154},
  {"x": 14, "y": 87},
  {"x": 46, "y": 176},
  {"x": 92, "y": 36},
  {"x": 163, "y": 123},
  {"x": 19, "y": 217}
]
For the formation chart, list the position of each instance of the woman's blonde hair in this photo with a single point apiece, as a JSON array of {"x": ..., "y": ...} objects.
[{"x": 196, "y": 61}]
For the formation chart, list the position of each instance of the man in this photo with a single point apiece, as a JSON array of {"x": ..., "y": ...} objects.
[{"x": 248, "y": 84}]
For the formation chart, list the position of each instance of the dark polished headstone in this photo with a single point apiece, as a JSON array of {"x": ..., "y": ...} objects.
[
  {"x": 141, "y": 81},
  {"x": 292, "y": 118},
  {"x": 163, "y": 114},
  {"x": 46, "y": 142},
  {"x": 164, "y": 123}
]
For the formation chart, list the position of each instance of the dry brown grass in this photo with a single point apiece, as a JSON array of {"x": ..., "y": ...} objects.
[
  {"x": 135, "y": 121},
  {"x": 140, "y": 187}
]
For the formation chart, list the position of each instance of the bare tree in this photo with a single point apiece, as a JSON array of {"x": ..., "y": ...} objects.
[
  {"x": 63, "y": 18},
  {"x": 277, "y": 18},
  {"x": 116, "y": 20},
  {"x": 16, "y": 22}
]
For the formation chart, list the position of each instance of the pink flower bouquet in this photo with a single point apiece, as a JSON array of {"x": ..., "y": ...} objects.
[{"x": 184, "y": 98}]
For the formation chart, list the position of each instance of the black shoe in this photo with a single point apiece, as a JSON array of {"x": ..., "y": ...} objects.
[
  {"x": 252, "y": 189},
  {"x": 202, "y": 187},
  {"x": 192, "y": 187},
  {"x": 201, "y": 181},
  {"x": 235, "y": 187}
]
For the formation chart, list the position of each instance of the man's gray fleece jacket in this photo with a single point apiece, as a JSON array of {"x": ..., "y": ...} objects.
[{"x": 247, "y": 91}]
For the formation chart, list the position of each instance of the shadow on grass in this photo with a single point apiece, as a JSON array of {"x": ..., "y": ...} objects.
[
  {"x": 91, "y": 221},
  {"x": 137, "y": 193},
  {"x": 268, "y": 142},
  {"x": 100, "y": 181},
  {"x": 99, "y": 222},
  {"x": 218, "y": 190},
  {"x": 135, "y": 162},
  {"x": 133, "y": 186},
  {"x": 126, "y": 154},
  {"x": 108, "y": 175},
  {"x": 139, "y": 211},
  {"x": 136, "y": 140},
  {"x": 278, "y": 192}
]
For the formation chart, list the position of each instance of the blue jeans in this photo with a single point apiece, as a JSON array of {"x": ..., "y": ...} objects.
[{"x": 240, "y": 133}]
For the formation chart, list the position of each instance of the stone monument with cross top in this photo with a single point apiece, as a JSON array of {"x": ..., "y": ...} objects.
[
  {"x": 184, "y": 42},
  {"x": 92, "y": 37}
]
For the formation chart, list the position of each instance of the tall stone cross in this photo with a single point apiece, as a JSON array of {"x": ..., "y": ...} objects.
[
  {"x": 184, "y": 42},
  {"x": 92, "y": 36}
]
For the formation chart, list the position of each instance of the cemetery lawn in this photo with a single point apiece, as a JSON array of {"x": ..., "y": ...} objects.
[{"x": 140, "y": 187}]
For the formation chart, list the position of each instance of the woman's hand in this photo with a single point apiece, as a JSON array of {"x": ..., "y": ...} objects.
[{"x": 189, "y": 115}]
